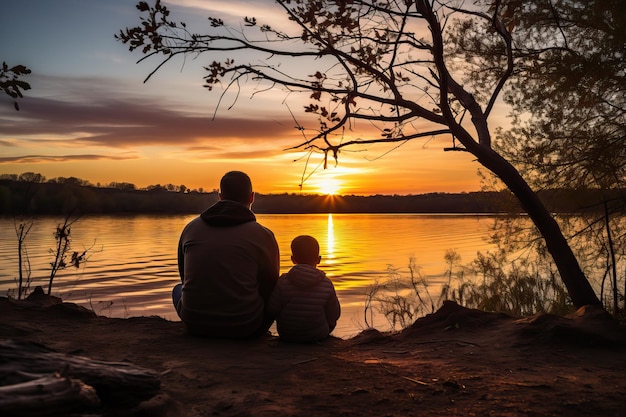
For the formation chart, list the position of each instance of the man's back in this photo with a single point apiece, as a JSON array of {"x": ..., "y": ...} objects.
[{"x": 229, "y": 264}]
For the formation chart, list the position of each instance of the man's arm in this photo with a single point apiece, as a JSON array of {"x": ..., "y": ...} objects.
[
  {"x": 268, "y": 273},
  {"x": 181, "y": 259}
]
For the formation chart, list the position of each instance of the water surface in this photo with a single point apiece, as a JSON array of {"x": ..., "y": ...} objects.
[{"x": 132, "y": 265}]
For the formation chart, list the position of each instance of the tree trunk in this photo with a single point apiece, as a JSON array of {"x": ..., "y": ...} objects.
[
  {"x": 578, "y": 286},
  {"x": 575, "y": 281}
]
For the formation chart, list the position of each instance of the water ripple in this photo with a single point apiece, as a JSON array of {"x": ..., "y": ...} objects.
[{"x": 133, "y": 263}]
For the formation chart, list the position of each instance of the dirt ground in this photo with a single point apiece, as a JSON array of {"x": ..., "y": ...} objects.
[{"x": 456, "y": 362}]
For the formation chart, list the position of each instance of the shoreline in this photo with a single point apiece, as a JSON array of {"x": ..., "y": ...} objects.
[{"x": 455, "y": 362}]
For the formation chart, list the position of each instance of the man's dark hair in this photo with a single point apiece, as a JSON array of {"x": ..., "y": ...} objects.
[{"x": 236, "y": 186}]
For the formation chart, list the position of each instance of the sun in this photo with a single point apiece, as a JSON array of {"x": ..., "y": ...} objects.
[{"x": 329, "y": 186}]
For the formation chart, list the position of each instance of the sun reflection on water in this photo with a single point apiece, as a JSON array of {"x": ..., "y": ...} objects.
[
  {"x": 136, "y": 268},
  {"x": 330, "y": 242}
]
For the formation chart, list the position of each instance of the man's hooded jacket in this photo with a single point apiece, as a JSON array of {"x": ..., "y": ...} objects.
[{"x": 229, "y": 265}]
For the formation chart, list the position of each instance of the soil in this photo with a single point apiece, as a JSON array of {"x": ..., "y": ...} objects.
[{"x": 455, "y": 362}]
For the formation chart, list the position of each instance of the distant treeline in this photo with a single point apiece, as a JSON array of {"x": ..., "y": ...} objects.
[{"x": 18, "y": 197}]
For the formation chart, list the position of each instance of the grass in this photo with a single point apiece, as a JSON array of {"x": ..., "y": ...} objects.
[{"x": 490, "y": 282}]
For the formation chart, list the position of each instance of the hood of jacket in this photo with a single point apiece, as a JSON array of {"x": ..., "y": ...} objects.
[
  {"x": 227, "y": 213},
  {"x": 305, "y": 276}
]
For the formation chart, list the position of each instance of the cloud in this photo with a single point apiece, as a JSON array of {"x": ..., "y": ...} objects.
[
  {"x": 237, "y": 8},
  {"x": 226, "y": 154},
  {"x": 97, "y": 112},
  {"x": 30, "y": 159}
]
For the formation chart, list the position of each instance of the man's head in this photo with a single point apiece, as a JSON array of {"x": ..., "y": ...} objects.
[
  {"x": 236, "y": 186},
  {"x": 305, "y": 250}
]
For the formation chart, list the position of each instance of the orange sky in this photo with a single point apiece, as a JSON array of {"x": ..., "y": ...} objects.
[{"x": 89, "y": 115}]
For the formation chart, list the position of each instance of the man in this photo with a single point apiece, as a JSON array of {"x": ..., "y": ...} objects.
[{"x": 228, "y": 264}]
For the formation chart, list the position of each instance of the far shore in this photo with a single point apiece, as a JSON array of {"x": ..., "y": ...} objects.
[{"x": 75, "y": 197}]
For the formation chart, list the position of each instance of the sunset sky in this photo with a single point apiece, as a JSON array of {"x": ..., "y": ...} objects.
[{"x": 89, "y": 114}]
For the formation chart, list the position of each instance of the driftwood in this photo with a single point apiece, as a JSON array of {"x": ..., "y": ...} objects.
[
  {"x": 35, "y": 380},
  {"x": 47, "y": 396}
]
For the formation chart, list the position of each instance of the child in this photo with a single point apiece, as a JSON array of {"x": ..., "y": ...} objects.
[{"x": 304, "y": 301}]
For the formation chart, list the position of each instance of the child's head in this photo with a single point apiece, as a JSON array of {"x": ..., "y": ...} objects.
[{"x": 305, "y": 250}]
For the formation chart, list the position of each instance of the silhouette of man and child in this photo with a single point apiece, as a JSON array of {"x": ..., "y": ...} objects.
[{"x": 229, "y": 266}]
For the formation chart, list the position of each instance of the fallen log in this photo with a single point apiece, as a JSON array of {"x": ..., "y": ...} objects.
[
  {"x": 49, "y": 395},
  {"x": 40, "y": 375}
]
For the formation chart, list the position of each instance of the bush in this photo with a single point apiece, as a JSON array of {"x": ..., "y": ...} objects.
[{"x": 490, "y": 283}]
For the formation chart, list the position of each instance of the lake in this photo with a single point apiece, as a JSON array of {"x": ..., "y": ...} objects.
[{"x": 132, "y": 265}]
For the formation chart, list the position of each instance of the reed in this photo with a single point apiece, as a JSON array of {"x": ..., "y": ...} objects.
[{"x": 490, "y": 282}]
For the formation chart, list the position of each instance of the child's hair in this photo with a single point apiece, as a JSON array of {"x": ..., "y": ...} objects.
[{"x": 305, "y": 250}]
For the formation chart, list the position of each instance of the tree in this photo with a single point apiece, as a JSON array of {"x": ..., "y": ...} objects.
[
  {"x": 567, "y": 93},
  {"x": 10, "y": 82},
  {"x": 127, "y": 186},
  {"x": 568, "y": 102},
  {"x": 391, "y": 64},
  {"x": 31, "y": 177},
  {"x": 22, "y": 228},
  {"x": 71, "y": 181},
  {"x": 63, "y": 249}
]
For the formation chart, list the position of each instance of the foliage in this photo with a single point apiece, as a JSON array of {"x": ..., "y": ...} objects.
[
  {"x": 62, "y": 250},
  {"x": 592, "y": 231},
  {"x": 390, "y": 64},
  {"x": 568, "y": 106},
  {"x": 401, "y": 299},
  {"x": 490, "y": 283},
  {"x": 56, "y": 198},
  {"x": 63, "y": 256},
  {"x": 520, "y": 288},
  {"x": 10, "y": 82},
  {"x": 570, "y": 114},
  {"x": 59, "y": 197},
  {"x": 30, "y": 177},
  {"x": 22, "y": 228}
]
